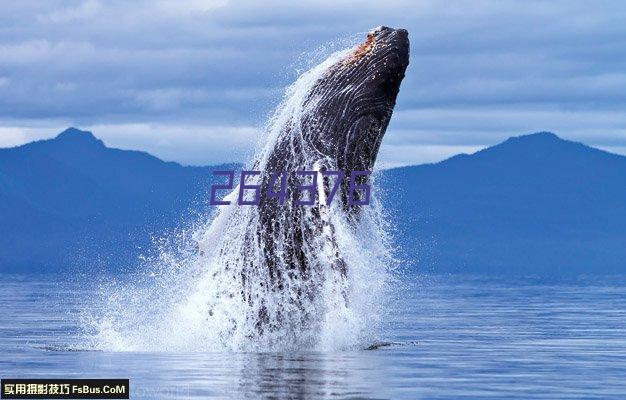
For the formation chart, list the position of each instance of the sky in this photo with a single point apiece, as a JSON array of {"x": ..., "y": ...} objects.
[{"x": 194, "y": 81}]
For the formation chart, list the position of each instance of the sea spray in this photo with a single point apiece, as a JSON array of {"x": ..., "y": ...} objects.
[{"x": 207, "y": 290}]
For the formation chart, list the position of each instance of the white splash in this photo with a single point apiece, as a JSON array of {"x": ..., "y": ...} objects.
[{"x": 191, "y": 298}]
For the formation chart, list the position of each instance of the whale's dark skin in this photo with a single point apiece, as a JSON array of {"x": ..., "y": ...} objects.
[{"x": 354, "y": 103}]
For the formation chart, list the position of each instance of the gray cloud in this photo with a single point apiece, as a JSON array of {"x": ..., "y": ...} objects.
[{"x": 157, "y": 75}]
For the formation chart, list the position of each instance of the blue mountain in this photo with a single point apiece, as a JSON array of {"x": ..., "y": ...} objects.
[
  {"x": 72, "y": 201},
  {"x": 534, "y": 204}
]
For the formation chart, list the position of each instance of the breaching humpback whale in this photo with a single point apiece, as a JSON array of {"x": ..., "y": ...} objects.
[{"x": 282, "y": 256}]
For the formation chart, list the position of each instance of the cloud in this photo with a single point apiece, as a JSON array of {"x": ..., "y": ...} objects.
[
  {"x": 190, "y": 6},
  {"x": 84, "y": 10},
  {"x": 11, "y": 136},
  {"x": 185, "y": 143},
  {"x": 483, "y": 126},
  {"x": 188, "y": 144},
  {"x": 394, "y": 155},
  {"x": 480, "y": 70}
]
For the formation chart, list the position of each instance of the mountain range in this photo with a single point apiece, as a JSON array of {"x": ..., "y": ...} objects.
[
  {"x": 73, "y": 202},
  {"x": 532, "y": 205}
]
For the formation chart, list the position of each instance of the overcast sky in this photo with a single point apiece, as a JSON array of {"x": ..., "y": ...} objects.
[{"x": 193, "y": 80}]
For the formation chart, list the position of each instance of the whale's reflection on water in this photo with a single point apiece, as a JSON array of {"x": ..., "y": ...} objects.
[
  {"x": 221, "y": 375},
  {"x": 477, "y": 339},
  {"x": 304, "y": 375}
]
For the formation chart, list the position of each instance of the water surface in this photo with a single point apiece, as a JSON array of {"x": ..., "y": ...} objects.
[{"x": 476, "y": 338}]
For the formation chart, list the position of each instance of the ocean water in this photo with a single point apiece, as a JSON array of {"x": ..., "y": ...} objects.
[{"x": 447, "y": 338}]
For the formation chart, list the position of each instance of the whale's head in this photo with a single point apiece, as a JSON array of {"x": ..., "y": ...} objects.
[{"x": 355, "y": 98}]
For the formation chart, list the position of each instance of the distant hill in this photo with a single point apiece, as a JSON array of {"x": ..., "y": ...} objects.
[
  {"x": 73, "y": 201},
  {"x": 534, "y": 204}
]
